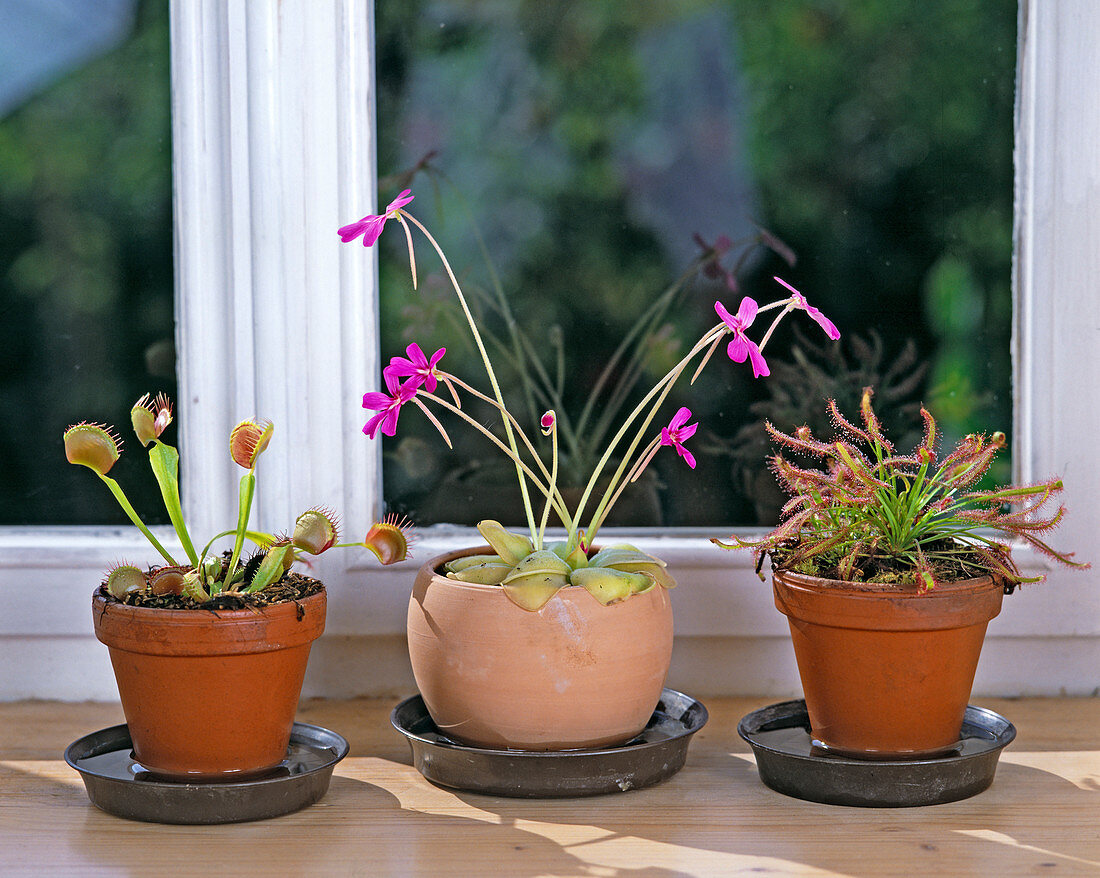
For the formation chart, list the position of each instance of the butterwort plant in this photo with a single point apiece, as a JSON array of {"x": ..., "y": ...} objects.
[
  {"x": 202, "y": 576},
  {"x": 530, "y": 568}
]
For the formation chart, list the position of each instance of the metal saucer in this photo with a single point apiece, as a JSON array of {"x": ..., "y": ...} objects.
[
  {"x": 121, "y": 786},
  {"x": 789, "y": 763},
  {"x": 656, "y": 754}
]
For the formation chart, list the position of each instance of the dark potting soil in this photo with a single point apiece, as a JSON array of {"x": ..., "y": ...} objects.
[
  {"x": 950, "y": 562},
  {"x": 292, "y": 587}
]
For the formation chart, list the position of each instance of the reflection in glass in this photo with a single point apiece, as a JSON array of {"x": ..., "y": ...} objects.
[
  {"x": 574, "y": 155},
  {"x": 85, "y": 245}
]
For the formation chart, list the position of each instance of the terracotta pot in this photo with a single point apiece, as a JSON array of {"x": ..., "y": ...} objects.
[
  {"x": 886, "y": 670},
  {"x": 209, "y": 694},
  {"x": 574, "y": 674}
]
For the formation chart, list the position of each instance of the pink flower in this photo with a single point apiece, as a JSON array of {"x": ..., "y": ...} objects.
[
  {"x": 799, "y": 301},
  {"x": 743, "y": 348},
  {"x": 388, "y": 406},
  {"x": 675, "y": 434},
  {"x": 370, "y": 227},
  {"x": 712, "y": 260},
  {"x": 418, "y": 367}
]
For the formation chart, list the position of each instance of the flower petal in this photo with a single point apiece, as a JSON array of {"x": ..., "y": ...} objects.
[
  {"x": 376, "y": 401},
  {"x": 680, "y": 418},
  {"x": 727, "y": 318},
  {"x": 824, "y": 322},
  {"x": 371, "y": 426},
  {"x": 759, "y": 365},
  {"x": 400, "y": 201},
  {"x": 353, "y": 230},
  {"x": 746, "y": 314},
  {"x": 738, "y": 349},
  {"x": 416, "y": 356}
]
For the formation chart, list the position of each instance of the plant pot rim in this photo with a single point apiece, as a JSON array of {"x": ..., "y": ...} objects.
[
  {"x": 164, "y": 631},
  {"x": 884, "y": 607},
  {"x": 910, "y": 589}
]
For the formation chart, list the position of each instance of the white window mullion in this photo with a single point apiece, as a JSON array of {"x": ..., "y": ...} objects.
[
  {"x": 275, "y": 319},
  {"x": 1057, "y": 308}
]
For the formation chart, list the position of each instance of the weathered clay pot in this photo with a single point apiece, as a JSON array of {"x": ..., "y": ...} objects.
[
  {"x": 574, "y": 674},
  {"x": 886, "y": 671},
  {"x": 207, "y": 694}
]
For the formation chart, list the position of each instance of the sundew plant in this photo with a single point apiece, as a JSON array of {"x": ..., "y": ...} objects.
[
  {"x": 872, "y": 514},
  {"x": 530, "y": 568}
]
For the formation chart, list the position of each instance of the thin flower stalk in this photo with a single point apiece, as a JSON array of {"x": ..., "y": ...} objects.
[
  {"x": 542, "y": 487},
  {"x": 488, "y": 366},
  {"x": 518, "y": 559}
]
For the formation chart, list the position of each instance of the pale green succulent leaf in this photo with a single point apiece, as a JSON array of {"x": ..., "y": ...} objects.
[
  {"x": 613, "y": 556},
  {"x": 608, "y": 586},
  {"x": 511, "y": 547},
  {"x": 656, "y": 572},
  {"x": 541, "y": 562},
  {"x": 532, "y": 591},
  {"x": 489, "y": 573},
  {"x": 457, "y": 564},
  {"x": 571, "y": 553}
]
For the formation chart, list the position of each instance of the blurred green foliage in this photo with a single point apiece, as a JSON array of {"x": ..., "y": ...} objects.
[
  {"x": 878, "y": 141},
  {"x": 86, "y": 273}
]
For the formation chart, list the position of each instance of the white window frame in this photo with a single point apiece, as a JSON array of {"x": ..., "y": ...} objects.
[{"x": 273, "y": 120}]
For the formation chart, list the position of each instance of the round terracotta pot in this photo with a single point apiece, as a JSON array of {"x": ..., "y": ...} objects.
[
  {"x": 209, "y": 694},
  {"x": 886, "y": 670},
  {"x": 574, "y": 674}
]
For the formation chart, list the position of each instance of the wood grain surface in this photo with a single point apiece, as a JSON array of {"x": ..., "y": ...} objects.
[{"x": 380, "y": 817}]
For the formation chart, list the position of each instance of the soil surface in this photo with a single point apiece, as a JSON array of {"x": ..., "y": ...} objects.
[
  {"x": 292, "y": 587},
  {"x": 951, "y": 562}
]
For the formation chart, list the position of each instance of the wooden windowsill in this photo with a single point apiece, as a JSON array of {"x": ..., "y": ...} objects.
[{"x": 380, "y": 817}]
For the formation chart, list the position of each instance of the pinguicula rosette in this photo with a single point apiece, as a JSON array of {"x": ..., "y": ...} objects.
[
  {"x": 530, "y": 568},
  {"x": 204, "y": 576}
]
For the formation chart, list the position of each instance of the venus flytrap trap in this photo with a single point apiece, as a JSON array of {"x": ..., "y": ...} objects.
[
  {"x": 528, "y": 567},
  {"x": 205, "y": 576}
]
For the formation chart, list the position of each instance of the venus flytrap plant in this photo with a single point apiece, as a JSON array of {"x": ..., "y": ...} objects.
[
  {"x": 205, "y": 577},
  {"x": 873, "y": 514},
  {"x": 528, "y": 568}
]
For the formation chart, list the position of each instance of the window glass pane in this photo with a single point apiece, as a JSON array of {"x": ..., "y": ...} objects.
[
  {"x": 85, "y": 247},
  {"x": 577, "y": 151}
]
